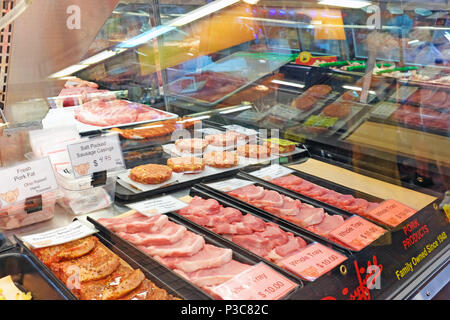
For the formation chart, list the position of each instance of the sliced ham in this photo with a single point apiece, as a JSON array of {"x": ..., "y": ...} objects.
[
  {"x": 269, "y": 199},
  {"x": 329, "y": 223},
  {"x": 209, "y": 257},
  {"x": 189, "y": 245},
  {"x": 171, "y": 233},
  {"x": 214, "y": 276}
]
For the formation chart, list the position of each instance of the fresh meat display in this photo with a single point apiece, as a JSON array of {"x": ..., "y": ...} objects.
[
  {"x": 345, "y": 202},
  {"x": 102, "y": 274},
  {"x": 183, "y": 251},
  {"x": 151, "y": 173},
  {"x": 207, "y": 86},
  {"x": 435, "y": 99},
  {"x": 229, "y": 138},
  {"x": 221, "y": 159},
  {"x": 304, "y": 102},
  {"x": 319, "y": 90},
  {"x": 103, "y": 113},
  {"x": 422, "y": 118},
  {"x": 263, "y": 238},
  {"x": 183, "y": 164},
  {"x": 304, "y": 215},
  {"x": 75, "y": 96},
  {"x": 338, "y": 110}
]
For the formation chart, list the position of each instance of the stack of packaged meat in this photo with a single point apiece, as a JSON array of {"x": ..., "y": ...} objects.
[
  {"x": 77, "y": 92},
  {"x": 92, "y": 272},
  {"x": 343, "y": 201},
  {"x": 263, "y": 238},
  {"x": 302, "y": 214},
  {"x": 181, "y": 250}
]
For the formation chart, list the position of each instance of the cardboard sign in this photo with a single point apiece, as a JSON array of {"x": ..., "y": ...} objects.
[
  {"x": 155, "y": 206},
  {"x": 260, "y": 282},
  {"x": 74, "y": 231},
  {"x": 313, "y": 261},
  {"x": 391, "y": 213},
  {"x": 26, "y": 180},
  {"x": 357, "y": 233},
  {"x": 95, "y": 155}
]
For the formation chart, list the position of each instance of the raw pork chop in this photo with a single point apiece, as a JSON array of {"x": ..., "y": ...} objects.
[
  {"x": 290, "y": 207},
  {"x": 293, "y": 245},
  {"x": 139, "y": 224},
  {"x": 199, "y": 206},
  {"x": 255, "y": 243},
  {"x": 255, "y": 223},
  {"x": 308, "y": 216},
  {"x": 248, "y": 193},
  {"x": 209, "y": 257},
  {"x": 189, "y": 245},
  {"x": 269, "y": 199},
  {"x": 329, "y": 223},
  {"x": 170, "y": 234},
  {"x": 215, "y": 276},
  {"x": 287, "y": 180},
  {"x": 232, "y": 228}
]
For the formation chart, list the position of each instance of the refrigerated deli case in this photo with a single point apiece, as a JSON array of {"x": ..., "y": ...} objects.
[{"x": 309, "y": 140}]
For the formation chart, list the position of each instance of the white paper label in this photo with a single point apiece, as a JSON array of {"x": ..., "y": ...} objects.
[
  {"x": 285, "y": 112},
  {"x": 26, "y": 180},
  {"x": 157, "y": 206},
  {"x": 74, "y": 231},
  {"x": 240, "y": 129},
  {"x": 229, "y": 185},
  {"x": 271, "y": 172},
  {"x": 95, "y": 155}
]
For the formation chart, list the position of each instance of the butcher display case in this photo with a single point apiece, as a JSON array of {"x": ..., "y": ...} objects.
[{"x": 206, "y": 139}]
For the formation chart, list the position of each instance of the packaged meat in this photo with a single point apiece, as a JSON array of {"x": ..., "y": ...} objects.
[
  {"x": 78, "y": 194},
  {"x": 15, "y": 215}
]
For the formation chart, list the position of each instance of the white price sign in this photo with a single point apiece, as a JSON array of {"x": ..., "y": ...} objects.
[
  {"x": 230, "y": 185},
  {"x": 95, "y": 155},
  {"x": 26, "y": 180},
  {"x": 74, "y": 231},
  {"x": 271, "y": 172},
  {"x": 161, "y": 205}
]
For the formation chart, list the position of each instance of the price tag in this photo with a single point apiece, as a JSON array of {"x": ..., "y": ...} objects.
[
  {"x": 95, "y": 155},
  {"x": 384, "y": 109},
  {"x": 285, "y": 112},
  {"x": 260, "y": 282},
  {"x": 357, "y": 233},
  {"x": 271, "y": 172},
  {"x": 74, "y": 231},
  {"x": 391, "y": 212},
  {"x": 229, "y": 185},
  {"x": 26, "y": 180},
  {"x": 313, "y": 261},
  {"x": 152, "y": 207},
  {"x": 242, "y": 130}
]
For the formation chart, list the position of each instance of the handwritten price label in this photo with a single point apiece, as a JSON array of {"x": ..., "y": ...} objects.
[
  {"x": 313, "y": 261},
  {"x": 391, "y": 213},
  {"x": 95, "y": 155},
  {"x": 357, "y": 233},
  {"x": 260, "y": 282}
]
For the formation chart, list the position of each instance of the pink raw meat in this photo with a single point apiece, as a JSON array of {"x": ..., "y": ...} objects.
[
  {"x": 230, "y": 214},
  {"x": 290, "y": 207},
  {"x": 255, "y": 243},
  {"x": 371, "y": 206},
  {"x": 269, "y": 199},
  {"x": 300, "y": 188},
  {"x": 248, "y": 193},
  {"x": 150, "y": 224},
  {"x": 358, "y": 206},
  {"x": 274, "y": 234},
  {"x": 287, "y": 180},
  {"x": 224, "y": 216},
  {"x": 189, "y": 245},
  {"x": 315, "y": 192},
  {"x": 255, "y": 223},
  {"x": 199, "y": 206},
  {"x": 214, "y": 276},
  {"x": 108, "y": 222},
  {"x": 170, "y": 234},
  {"x": 308, "y": 216},
  {"x": 209, "y": 257},
  {"x": 345, "y": 200},
  {"x": 331, "y": 197},
  {"x": 232, "y": 228},
  {"x": 292, "y": 246},
  {"x": 329, "y": 223}
]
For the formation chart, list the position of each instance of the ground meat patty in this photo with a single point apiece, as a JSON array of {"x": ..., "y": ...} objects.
[
  {"x": 221, "y": 159},
  {"x": 253, "y": 151},
  {"x": 151, "y": 173},
  {"x": 319, "y": 90},
  {"x": 194, "y": 145},
  {"x": 304, "y": 102},
  {"x": 228, "y": 138},
  {"x": 351, "y": 96},
  {"x": 182, "y": 164},
  {"x": 338, "y": 110}
]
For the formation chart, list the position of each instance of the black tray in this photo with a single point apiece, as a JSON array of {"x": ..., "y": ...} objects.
[
  {"x": 5, "y": 244},
  {"x": 120, "y": 253},
  {"x": 29, "y": 276},
  {"x": 307, "y": 237},
  {"x": 239, "y": 254},
  {"x": 245, "y": 173},
  {"x": 280, "y": 221}
]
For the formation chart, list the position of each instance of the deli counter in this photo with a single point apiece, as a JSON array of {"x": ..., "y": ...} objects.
[{"x": 225, "y": 150}]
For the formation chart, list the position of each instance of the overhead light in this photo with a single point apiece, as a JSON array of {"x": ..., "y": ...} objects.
[
  {"x": 286, "y": 83},
  {"x": 202, "y": 12},
  {"x": 145, "y": 37},
  {"x": 242, "y": 108},
  {"x": 356, "y": 4},
  {"x": 68, "y": 71},
  {"x": 251, "y": 1},
  {"x": 99, "y": 57},
  {"x": 357, "y": 89}
]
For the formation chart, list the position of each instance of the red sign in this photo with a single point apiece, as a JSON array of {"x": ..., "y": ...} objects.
[{"x": 391, "y": 213}]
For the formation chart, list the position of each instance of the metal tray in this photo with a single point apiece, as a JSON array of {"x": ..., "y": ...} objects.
[
  {"x": 245, "y": 173},
  {"x": 29, "y": 276},
  {"x": 239, "y": 254},
  {"x": 111, "y": 245},
  {"x": 248, "y": 207}
]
